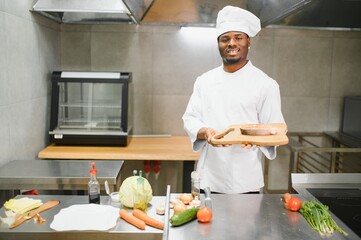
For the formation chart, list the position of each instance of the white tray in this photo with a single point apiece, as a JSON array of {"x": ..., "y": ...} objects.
[{"x": 86, "y": 217}]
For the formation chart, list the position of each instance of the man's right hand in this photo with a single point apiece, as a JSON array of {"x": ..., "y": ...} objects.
[{"x": 207, "y": 134}]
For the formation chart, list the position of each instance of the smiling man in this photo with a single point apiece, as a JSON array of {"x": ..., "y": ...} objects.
[{"x": 234, "y": 93}]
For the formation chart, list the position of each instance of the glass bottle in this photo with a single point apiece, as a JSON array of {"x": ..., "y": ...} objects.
[
  {"x": 196, "y": 184},
  {"x": 140, "y": 199},
  {"x": 93, "y": 186}
]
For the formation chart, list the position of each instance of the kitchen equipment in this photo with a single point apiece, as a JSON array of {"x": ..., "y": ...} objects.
[
  {"x": 351, "y": 120},
  {"x": 196, "y": 187},
  {"x": 91, "y": 108},
  {"x": 106, "y": 185},
  {"x": 94, "y": 186},
  {"x": 233, "y": 135},
  {"x": 49, "y": 204},
  {"x": 114, "y": 196}
]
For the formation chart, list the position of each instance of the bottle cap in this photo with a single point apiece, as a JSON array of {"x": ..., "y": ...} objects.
[
  {"x": 195, "y": 175},
  {"x": 93, "y": 171}
]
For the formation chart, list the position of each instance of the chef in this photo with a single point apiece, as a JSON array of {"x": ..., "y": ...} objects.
[{"x": 234, "y": 93}]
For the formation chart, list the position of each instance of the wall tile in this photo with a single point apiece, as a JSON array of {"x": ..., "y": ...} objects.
[
  {"x": 75, "y": 51},
  {"x": 27, "y": 130},
  {"x": 279, "y": 171},
  {"x": 20, "y": 8},
  {"x": 3, "y": 80},
  {"x": 5, "y": 135},
  {"x": 180, "y": 57},
  {"x": 49, "y": 58},
  {"x": 346, "y": 67},
  {"x": 167, "y": 114},
  {"x": 22, "y": 58},
  {"x": 261, "y": 53},
  {"x": 300, "y": 33},
  {"x": 142, "y": 117},
  {"x": 299, "y": 70},
  {"x": 126, "y": 52},
  {"x": 306, "y": 113}
]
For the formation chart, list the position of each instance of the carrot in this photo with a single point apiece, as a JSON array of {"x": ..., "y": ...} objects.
[
  {"x": 131, "y": 219},
  {"x": 148, "y": 220}
]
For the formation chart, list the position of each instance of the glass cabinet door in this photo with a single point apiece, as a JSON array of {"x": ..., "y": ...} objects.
[{"x": 90, "y": 106}]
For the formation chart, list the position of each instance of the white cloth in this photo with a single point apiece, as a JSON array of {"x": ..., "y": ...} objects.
[
  {"x": 237, "y": 19},
  {"x": 220, "y": 99}
]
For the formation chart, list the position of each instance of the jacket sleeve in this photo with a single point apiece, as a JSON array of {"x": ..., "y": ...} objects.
[
  {"x": 269, "y": 110},
  {"x": 192, "y": 118}
]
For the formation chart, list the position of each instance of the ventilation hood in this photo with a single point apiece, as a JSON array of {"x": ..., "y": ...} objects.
[
  {"x": 299, "y": 13},
  {"x": 93, "y": 11},
  {"x": 342, "y": 14}
]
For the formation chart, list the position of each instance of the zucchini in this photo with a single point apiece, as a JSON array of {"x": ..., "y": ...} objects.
[{"x": 184, "y": 217}]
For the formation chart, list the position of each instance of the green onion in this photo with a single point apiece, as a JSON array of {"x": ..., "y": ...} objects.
[{"x": 318, "y": 216}]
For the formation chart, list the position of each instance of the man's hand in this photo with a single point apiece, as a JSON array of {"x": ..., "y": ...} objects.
[
  {"x": 207, "y": 134},
  {"x": 248, "y": 146}
]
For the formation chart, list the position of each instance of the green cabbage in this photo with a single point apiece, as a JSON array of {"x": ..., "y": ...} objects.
[{"x": 129, "y": 188}]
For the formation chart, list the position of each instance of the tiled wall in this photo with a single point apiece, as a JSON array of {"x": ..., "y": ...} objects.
[{"x": 29, "y": 51}]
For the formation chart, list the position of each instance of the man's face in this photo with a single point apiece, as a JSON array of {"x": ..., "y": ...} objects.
[{"x": 233, "y": 47}]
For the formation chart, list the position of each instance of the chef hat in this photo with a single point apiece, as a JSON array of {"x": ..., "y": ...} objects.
[{"x": 237, "y": 19}]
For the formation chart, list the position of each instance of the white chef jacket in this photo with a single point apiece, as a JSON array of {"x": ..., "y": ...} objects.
[{"x": 220, "y": 99}]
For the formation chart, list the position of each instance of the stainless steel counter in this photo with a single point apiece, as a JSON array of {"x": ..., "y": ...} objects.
[
  {"x": 302, "y": 181},
  {"x": 57, "y": 174},
  {"x": 35, "y": 231},
  {"x": 253, "y": 216}
]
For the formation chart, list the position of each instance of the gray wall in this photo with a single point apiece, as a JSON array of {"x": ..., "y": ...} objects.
[
  {"x": 29, "y": 51},
  {"x": 315, "y": 69}
]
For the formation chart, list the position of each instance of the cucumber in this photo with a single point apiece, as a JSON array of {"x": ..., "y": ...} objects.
[{"x": 184, "y": 217}]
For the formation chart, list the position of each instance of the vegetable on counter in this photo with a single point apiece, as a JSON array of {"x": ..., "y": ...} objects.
[
  {"x": 179, "y": 207},
  {"x": 204, "y": 215},
  {"x": 131, "y": 219},
  {"x": 292, "y": 203},
  {"x": 319, "y": 218},
  {"x": 147, "y": 219},
  {"x": 184, "y": 217},
  {"x": 186, "y": 198},
  {"x": 129, "y": 189}
]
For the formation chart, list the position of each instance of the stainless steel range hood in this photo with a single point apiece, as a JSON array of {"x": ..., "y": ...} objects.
[
  {"x": 344, "y": 14},
  {"x": 299, "y": 13},
  {"x": 93, "y": 11}
]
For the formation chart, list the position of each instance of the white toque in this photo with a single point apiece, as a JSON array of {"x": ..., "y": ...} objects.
[{"x": 236, "y": 19}]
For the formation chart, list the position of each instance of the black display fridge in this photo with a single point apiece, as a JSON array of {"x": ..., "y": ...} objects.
[{"x": 91, "y": 108}]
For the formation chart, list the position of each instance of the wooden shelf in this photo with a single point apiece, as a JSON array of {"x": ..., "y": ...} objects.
[{"x": 172, "y": 148}]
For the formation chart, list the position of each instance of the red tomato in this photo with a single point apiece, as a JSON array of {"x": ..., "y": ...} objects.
[
  {"x": 294, "y": 204},
  {"x": 204, "y": 214}
]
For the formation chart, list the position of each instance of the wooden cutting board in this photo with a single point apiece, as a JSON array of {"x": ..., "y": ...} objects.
[
  {"x": 49, "y": 204},
  {"x": 233, "y": 135}
]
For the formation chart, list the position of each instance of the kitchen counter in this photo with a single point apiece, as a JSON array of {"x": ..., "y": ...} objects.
[{"x": 247, "y": 216}]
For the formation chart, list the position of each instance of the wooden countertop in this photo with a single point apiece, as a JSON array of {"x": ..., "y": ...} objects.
[{"x": 172, "y": 148}]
